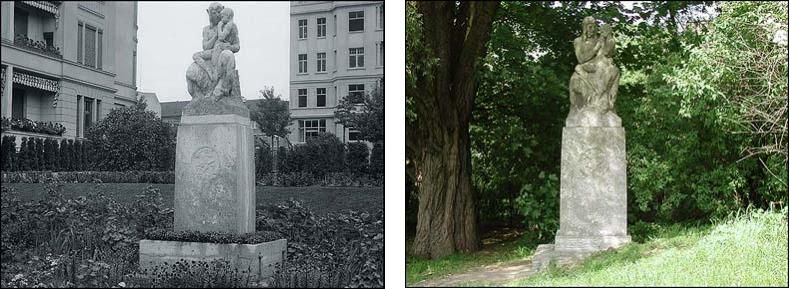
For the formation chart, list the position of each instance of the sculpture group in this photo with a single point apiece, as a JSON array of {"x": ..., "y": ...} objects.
[
  {"x": 213, "y": 74},
  {"x": 593, "y": 165},
  {"x": 593, "y": 85},
  {"x": 214, "y": 188}
]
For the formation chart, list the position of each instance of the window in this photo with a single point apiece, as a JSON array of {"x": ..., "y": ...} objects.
[
  {"x": 334, "y": 60},
  {"x": 302, "y": 63},
  {"x": 321, "y": 27},
  {"x": 90, "y": 46},
  {"x": 311, "y": 128},
  {"x": 48, "y": 38},
  {"x": 381, "y": 53},
  {"x": 98, "y": 110},
  {"x": 99, "y": 49},
  {"x": 354, "y": 134},
  {"x": 381, "y": 17},
  {"x": 88, "y": 114},
  {"x": 356, "y": 21},
  {"x": 302, "y": 28},
  {"x": 320, "y": 94},
  {"x": 356, "y": 57},
  {"x": 321, "y": 65},
  {"x": 79, "y": 42},
  {"x": 17, "y": 103},
  {"x": 302, "y": 97},
  {"x": 356, "y": 93},
  {"x": 334, "y": 23},
  {"x": 20, "y": 22},
  {"x": 79, "y": 114}
]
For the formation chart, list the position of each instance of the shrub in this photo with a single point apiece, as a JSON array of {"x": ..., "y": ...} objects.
[
  {"x": 154, "y": 177},
  {"x": 323, "y": 154},
  {"x": 357, "y": 157},
  {"x": 263, "y": 160},
  {"x": 213, "y": 237},
  {"x": 377, "y": 159},
  {"x": 132, "y": 138},
  {"x": 8, "y": 149}
]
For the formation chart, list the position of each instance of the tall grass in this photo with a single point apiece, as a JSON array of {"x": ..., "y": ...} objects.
[{"x": 747, "y": 249}]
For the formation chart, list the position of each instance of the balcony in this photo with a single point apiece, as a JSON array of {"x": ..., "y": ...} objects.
[{"x": 37, "y": 46}]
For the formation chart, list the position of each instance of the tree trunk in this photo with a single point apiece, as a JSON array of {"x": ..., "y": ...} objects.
[
  {"x": 446, "y": 218},
  {"x": 456, "y": 34}
]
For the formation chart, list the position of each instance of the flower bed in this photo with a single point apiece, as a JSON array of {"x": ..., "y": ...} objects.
[{"x": 93, "y": 241}]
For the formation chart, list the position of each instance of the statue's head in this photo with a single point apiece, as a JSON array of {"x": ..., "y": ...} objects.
[
  {"x": 227, "y": 14},
  {"x": 588, "y": 26},
  {"x": 214, "y": 10}
]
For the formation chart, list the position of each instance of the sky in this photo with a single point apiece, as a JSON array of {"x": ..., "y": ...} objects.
[{"x": 170, "y": 32}]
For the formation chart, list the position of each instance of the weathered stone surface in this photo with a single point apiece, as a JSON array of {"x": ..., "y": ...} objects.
[
  {"x": 592, "y": 182},
  {"x": 593, "y": 199},
  {"x": 214, "y": 174},
  {"x": 208, "y": 106},
  {"x": 258, "y": 259}
]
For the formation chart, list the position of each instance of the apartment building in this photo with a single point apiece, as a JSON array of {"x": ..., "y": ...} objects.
[
  {"x": 67, "y": 62},
  {"x": 337, "y": 49}
]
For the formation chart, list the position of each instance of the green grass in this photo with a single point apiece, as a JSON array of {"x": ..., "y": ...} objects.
[
  {"x": 419, "y": 269},
  {"x": 319, "y": 199},
  {"x": 745, "y": 250}
]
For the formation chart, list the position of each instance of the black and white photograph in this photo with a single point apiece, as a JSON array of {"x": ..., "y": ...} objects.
[{"x": 192, "y": 144}]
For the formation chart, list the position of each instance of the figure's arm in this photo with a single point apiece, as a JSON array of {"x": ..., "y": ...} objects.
[
  {"x": 584, "y": 52},
  {"x": 234, "y": 46},
  {"x": 208, "y": 38}
]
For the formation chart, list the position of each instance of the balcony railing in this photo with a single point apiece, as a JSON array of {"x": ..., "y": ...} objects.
[{"x": 37, "y": 46}]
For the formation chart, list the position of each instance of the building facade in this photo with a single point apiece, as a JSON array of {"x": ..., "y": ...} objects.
[
  {"x": 67, "y": 62},
  {"x": 337, "y": 49}
]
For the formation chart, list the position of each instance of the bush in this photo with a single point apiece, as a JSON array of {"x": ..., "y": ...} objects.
[
  {"x": 91, "y": 241},
  {"x": 323, "y": 154},
  {"x": 132, "y": 138},
  {"x": 154, "y": 177},
  {"x": 377, "y": 159},
  {"x": 357, "y": 157},
  {"x": 263, "y": 160},
  {"x": 213, "y": 237},
  {"x": 8, "y": 149}
]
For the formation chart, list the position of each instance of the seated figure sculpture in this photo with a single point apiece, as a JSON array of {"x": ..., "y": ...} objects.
[
  {"x": 593, "y": 85},
  {"x": 212, "y": 74},
  {"x": 212, "y": 77}
]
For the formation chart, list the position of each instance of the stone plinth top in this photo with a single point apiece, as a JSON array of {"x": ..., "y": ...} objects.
[{"x": 208, "y": 106}]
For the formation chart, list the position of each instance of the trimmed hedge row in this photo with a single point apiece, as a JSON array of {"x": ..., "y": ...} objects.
[
  {"x": 304, "y": 179},
  {"x": 167, "y": 177},
  {"x": 212, "y": 237},
  {"x": 40, "y": 154}
]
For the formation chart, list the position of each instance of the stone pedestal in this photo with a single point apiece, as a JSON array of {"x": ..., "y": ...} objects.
[
  {"x": 593, "y": 199},
  {"x": 214, "y": 174},
  {"x": 259, "y": 260}
]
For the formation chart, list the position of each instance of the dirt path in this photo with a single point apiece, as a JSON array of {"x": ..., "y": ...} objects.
[{"x": 498, "y": 274}]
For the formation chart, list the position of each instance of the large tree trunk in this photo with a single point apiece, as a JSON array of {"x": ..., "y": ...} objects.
[{"x": 456, "y": 36}]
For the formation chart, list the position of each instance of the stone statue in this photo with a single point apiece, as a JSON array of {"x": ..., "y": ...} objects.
[
  {"x": 212, "y": 79},
  {"x": 593, "y": 85}
]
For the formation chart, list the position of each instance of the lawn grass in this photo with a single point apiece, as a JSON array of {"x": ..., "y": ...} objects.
[
  {"x": 321, "y": 200},
  {"x": 745, "y": 250},
  {"x": 419, "y": 269}
]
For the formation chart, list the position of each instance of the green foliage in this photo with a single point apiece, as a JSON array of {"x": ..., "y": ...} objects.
[
  {"x": 745, "y": 249},
  {"x": 357, "y": 157},
  {"x": 132, "y": 138},
  {"x": 91, "y": 241},
  {"x": 272, "y": 114},
  {"x": 684, "y": 110},
  {"x": 212, "y": 237},
  {"x": 340, "y": 248},
  {"x": 365, "y": 115},
  {"x": 377, "y": 159},
  {"x": 153, "y": 177}
]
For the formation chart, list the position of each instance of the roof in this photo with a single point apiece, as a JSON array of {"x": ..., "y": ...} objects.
[{"x": 174, "y": 108}]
